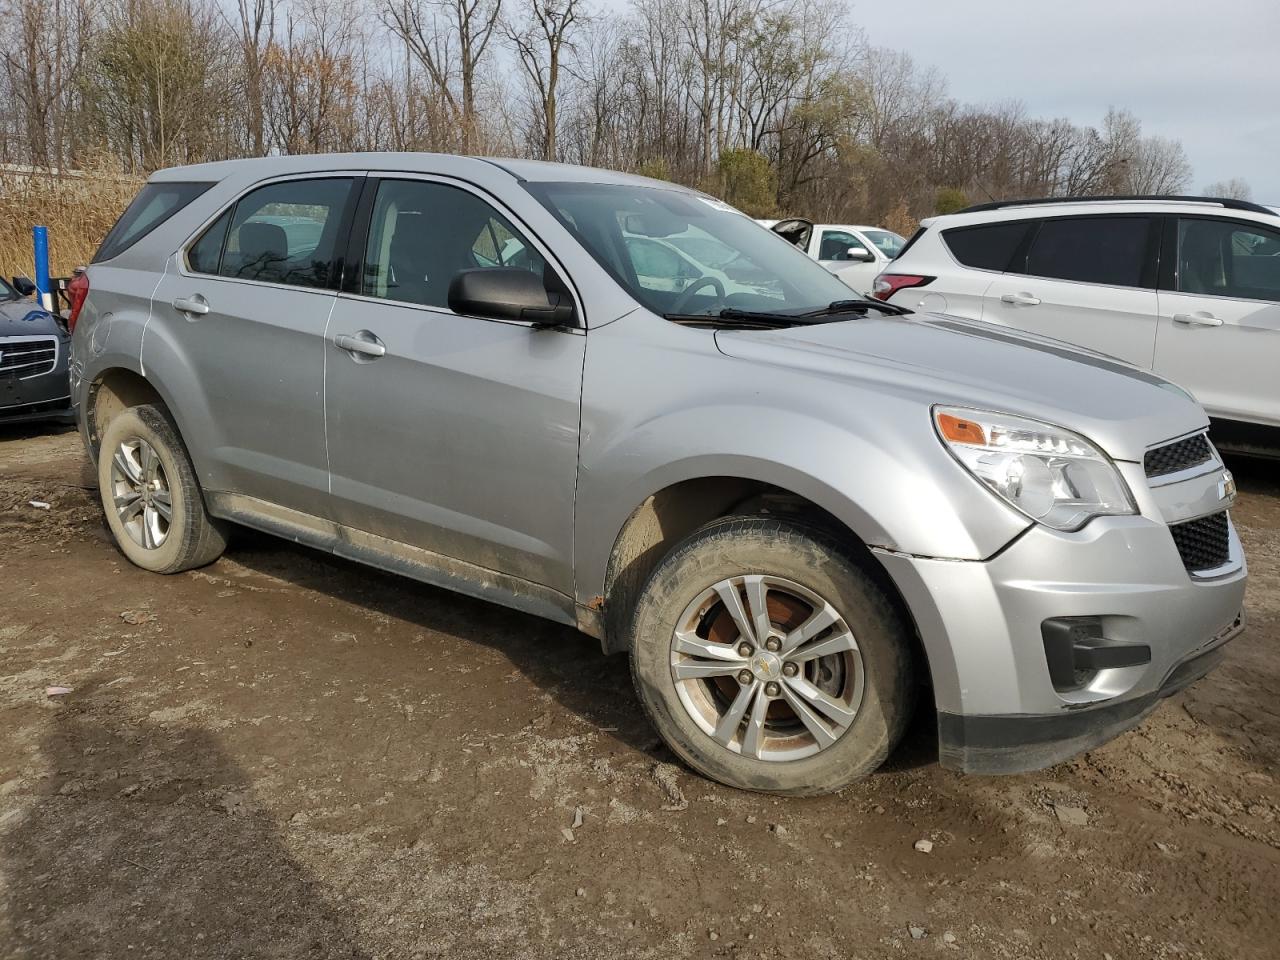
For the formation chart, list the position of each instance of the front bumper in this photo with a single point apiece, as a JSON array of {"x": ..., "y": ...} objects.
[
  {"x": 981, "y": 624},
  {"x": 46, "y": 396}
]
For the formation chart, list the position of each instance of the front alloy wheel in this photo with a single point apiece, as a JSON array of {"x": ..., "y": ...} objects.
[
  {"x": 769, "y": 658},
  {"x": 767, "y": 667}
]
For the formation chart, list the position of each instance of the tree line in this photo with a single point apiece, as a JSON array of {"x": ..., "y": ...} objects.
[{"x": 779, "y": 106}]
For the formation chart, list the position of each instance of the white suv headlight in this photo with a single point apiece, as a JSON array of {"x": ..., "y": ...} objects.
[{"x": 1054, "y": 476}]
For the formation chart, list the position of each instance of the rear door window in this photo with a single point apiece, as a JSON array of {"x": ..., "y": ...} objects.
[
  {"x": 154, "y": 204},
  {"x": 1224, "y": 258},
  {"x": 288, "y": 232},
  {"x": 988, "y": 246},
  {"x": 1107, "y": 250}
]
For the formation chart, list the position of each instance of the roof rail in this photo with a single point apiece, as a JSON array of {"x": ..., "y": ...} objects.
[{"x": 1225, "y": 202}]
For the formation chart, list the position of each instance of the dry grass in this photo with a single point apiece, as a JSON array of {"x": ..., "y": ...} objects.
[{"x": 78, "y": 210}]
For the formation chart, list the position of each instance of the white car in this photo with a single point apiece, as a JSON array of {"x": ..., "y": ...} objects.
[
  {"x": 855, "y": 254},
  {"x": 1186, "y": 287}
]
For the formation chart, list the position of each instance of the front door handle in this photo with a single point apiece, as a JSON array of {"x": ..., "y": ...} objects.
[
  {"x": 1200, "y": 319},
  {"x": 364, "y": 343},
  {"x": 1020, "y": 299},
  {"x": 196, "y": 306}
]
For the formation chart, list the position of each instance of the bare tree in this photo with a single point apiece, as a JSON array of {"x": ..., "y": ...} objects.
[
  {"x": 1236, "y": 188},
  {"x": 449, "y": 38},
  {"x": 41, "y": 49},
  {"x": 541, "y": 41},
  {"x": 257, "y": 29}
]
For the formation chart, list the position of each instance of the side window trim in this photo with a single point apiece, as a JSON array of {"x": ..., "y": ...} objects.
[
  {"x": 362, "y": 222},
  {"x": 343, "y": 229}
]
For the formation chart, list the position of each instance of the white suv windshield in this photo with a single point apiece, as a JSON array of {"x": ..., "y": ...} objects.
[
  {"x": 676, "y": 252},
  {"x": 888, "y": 242}
]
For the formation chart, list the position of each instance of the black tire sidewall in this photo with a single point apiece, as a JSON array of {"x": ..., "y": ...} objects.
[{"x": 806, "y": 556}]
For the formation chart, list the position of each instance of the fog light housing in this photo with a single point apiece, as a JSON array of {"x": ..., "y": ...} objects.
[{"x": 1076, "y": 650}]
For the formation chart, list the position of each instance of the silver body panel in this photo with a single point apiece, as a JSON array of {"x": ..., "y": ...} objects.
[{"x": 504, "y": 460}]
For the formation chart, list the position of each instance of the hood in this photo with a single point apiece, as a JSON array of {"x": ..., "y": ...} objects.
[
  {"x": 26, "y": 318},
  {"x": 950, "y": 360}
]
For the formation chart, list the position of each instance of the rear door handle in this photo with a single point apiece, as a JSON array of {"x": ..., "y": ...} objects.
[
  {"x": 363, "y": 343},
  {"x": 1201, "y": 319},
  {"x": 1020, "y": 299},
  {"x": 197, "y": 305}
]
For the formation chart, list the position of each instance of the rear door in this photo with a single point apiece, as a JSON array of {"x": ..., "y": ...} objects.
[
  {"x": 1088, "y": 280},
  {"x": 1219, "y": 328},
  {"x": 452, "y": 433},
  {"x": 245, "y": 308}
]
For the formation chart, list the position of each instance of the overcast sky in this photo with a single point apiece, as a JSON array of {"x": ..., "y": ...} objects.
[{"x": 1206, "y": 72}]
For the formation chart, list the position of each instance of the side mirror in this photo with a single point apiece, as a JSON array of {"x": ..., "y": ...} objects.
[
  {"x": 24, "y": 286},
  {"x": 508, "y": 293},
  {"x": 860, "y": 255}
]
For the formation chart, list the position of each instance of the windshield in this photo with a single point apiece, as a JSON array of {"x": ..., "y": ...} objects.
[
  {"x": 679, "y": 253},
  {"x": 886, "y": 241}
]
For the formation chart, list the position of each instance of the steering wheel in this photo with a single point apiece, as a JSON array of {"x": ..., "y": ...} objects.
[{"x": 683, "y": 300}]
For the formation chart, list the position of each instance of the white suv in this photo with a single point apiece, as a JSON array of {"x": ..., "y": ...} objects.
[{"x": 1187, "y": 287}]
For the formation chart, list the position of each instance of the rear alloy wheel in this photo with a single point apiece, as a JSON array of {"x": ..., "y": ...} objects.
[
  {"x": 150, "y": 496},
  {"x": 769, "y": 660},
  {"x": 140, "y": 493}
]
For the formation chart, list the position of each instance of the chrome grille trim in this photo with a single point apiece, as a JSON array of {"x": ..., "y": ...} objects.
[{"x": 28, "y": 357}]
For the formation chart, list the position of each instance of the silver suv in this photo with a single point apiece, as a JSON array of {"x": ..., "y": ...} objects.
[
  {"x": 1187, "y": 287},
  {"x": 792, "y": 509}
]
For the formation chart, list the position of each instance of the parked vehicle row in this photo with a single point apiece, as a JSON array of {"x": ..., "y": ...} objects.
[
  {"x": 1187, "y": 288},
  {"x": 793, "y": 509}
]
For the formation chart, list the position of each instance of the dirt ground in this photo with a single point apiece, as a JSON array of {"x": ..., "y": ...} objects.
[{"x": 286, "y": 755}]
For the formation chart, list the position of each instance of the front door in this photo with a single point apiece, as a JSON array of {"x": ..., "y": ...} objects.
[
  {"x": 452, "y": 433},
  {"x": 244, "y": 308},
  {"x": 1219, "y": 330},
  {"x": 1087, "y": 280}
]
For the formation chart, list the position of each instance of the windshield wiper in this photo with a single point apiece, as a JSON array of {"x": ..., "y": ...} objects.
[
  {"x": 765, "y": 320},
  {"x": 748, "y": 319},
  {"x": 860, "y": 305}
]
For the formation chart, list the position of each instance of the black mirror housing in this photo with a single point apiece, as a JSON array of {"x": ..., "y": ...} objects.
[
  {"x": 24, "y": 286},
  {"x": 509, "y": 293}
]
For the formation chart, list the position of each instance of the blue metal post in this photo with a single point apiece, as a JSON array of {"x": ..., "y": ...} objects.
[{"x": 40, "y": 237}]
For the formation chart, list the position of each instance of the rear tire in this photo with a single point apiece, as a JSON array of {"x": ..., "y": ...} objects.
[
  {"x": 149, "y": 492},
  {"x": 803, "y": 700}
]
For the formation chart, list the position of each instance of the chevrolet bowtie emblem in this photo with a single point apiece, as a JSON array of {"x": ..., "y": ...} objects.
[{"x": 1227, "y": 486}]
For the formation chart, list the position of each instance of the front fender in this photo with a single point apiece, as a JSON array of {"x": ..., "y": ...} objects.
[{"x": 890, "y": 496}]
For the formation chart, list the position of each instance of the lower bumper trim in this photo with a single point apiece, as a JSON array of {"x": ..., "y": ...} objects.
[{"x": 1020, "y": 743}]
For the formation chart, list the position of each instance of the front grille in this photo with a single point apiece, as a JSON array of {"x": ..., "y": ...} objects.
[
  {"x": 24, "y": 357},
  {"x": 1178, "y": 455},
  {"x": 1203, "y": 544}
]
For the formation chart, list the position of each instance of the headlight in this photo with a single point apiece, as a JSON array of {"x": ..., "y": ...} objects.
[{"x": 1054, "y": 476}]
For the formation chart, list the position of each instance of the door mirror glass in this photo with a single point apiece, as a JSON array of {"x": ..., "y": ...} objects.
[
  {"x": 509, "y": 293},
  {"x": 24, "y": 286}
]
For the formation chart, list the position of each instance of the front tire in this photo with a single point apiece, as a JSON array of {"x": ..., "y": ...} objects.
[
  {"x": 769, "y": 660},
  {"x": 150, "y": 495}
]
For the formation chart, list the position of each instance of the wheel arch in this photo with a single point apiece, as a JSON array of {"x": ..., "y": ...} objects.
[{"x": 664, "y": 518}]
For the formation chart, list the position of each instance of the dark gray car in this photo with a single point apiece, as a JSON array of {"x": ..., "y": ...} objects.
[
  {"x": 34, "y": 356},
  {"x": 793, "y": 510}
]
